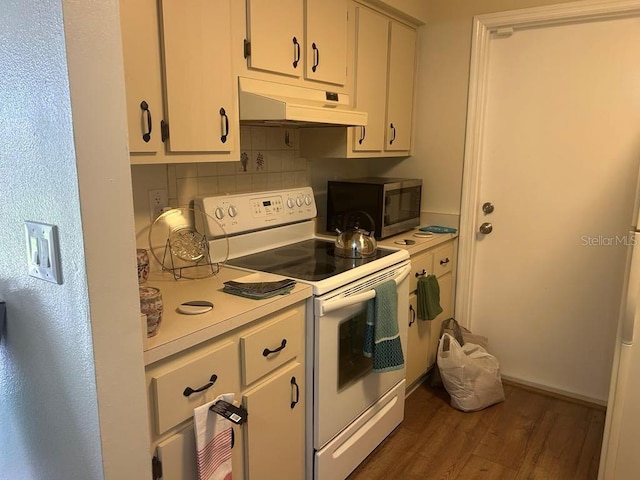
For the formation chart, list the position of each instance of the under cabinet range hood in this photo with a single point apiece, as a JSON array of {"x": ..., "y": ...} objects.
[{"x": 263, "y": 102}]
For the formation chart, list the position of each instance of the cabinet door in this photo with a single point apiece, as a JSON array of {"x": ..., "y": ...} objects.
[
  {"x": 418, "y": 343},
  {"x": 198, "y": 75},
  {"x": 326, "y": 41},
  {"x": 275, "y": 428},
  {"x": 275, "y": 32},
  {"x": 400, "y": 87},
  {"x": 371, "y": 74},
  {"x": 141, "y": 51},
  {"x": 178, "y": 455}
]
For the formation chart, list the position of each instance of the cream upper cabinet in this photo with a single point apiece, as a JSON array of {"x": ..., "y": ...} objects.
[
  {"x": 385, "y": 52},
  {"x": 277, "y": 43},
  {"x": 326, "y": 41},
  {"x": 199, "y": 84},
  {"x": 402, "y": 48},
  {"x": 372, "y": 49},
  {"x": 181, "y": 96},
  {"x": 275, "y": 32},
  {"x": 139, "y": 25}
]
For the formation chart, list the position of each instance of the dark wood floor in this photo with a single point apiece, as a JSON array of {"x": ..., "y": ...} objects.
[{"x": 528, "y": 436}]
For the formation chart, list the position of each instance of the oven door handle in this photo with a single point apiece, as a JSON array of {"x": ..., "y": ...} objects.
[{"x": 332, "y": 305}]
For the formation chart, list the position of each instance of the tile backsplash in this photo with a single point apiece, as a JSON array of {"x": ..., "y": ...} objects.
[{"x": 270, "y": 159}]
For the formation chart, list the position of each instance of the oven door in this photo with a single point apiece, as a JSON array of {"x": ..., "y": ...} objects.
[{"x": 344, "y": 384}]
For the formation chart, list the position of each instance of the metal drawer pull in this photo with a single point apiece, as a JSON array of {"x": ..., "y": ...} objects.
[
  {"x": 421, "y": 274},
  {"x": 413, "y": 315},
  {"x": 296, "y": 48},
  {"x": 445, "y": 261},
  {"x": 144, "y": 106},
  {"x": 297, "y": 398},
  {"x": 223, "y": 115},
  {"x": 188, "y": 391},
  {"x": 364, "y": 134},
  {"x": 267, "y": 352}
]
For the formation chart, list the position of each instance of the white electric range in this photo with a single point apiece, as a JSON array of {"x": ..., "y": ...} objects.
[{"x": 350, "y": 408}]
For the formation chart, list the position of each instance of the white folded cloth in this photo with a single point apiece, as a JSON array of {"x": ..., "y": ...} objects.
[{"x": 214, "y": 435}]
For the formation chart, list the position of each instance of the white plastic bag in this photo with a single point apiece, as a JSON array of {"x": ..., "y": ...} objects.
[{"x": 469, "y": 374}]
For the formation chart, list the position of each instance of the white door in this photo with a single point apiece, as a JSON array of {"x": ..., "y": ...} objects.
[{"x": 556, "y": 154}]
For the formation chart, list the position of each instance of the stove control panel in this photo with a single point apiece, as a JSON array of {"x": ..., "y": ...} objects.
[{"x": 244, "y": 212}]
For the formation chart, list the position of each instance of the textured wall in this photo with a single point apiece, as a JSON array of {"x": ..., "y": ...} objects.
[
  {"x": 72, "y": 394},
  {"x": 48, "y": 414}
]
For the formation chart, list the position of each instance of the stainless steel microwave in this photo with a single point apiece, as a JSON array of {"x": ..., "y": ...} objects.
[{"x": 386, "y": 206}]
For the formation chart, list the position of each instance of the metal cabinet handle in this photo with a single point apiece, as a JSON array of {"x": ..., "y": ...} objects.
[
  {"x": 444, "y": 261},
  {"x": 267, "y": 352},
  {"x": 364, "y": 134},
  {"x": 188, "y": 391},
  {"x": 412, "y": 320},
  {"x": 144, "y": 106},
  {"x": 297, "y": 394},
  {"x": 394, "y": 134},
  {"x": 421, "y": 274},
  {"x": 316, "y": 57},
  {"x": 223, "y": 114},
  {"x": 296, "y": 48}
]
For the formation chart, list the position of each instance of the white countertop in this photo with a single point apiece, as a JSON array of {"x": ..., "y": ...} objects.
[
  {"x": 422, "y": 242},
  {"x": 178, "y": 332}
]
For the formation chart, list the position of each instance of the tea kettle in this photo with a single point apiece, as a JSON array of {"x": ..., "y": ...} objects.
[{"x": 355, "y": 243}]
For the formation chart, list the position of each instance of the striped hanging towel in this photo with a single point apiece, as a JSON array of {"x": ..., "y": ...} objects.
[{"x": 214, "y": 435}]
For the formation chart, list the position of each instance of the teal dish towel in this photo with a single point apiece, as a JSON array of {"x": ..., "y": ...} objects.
[
  {"x": 382, "y": 337},
  {"x": 428, "y": 298}
]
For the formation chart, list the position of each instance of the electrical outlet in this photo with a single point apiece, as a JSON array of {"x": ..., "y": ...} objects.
[{"x": 158, "y": 199}]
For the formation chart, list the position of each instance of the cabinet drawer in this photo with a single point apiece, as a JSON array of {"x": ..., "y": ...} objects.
[
  {"x": 443, "y": 259},
  {"x": 168, "y": 384},
  {"x": 420, "y": 264},
  {"x": 270, "y": 346}
]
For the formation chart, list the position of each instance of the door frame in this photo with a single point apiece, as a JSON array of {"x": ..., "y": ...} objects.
[{"x": 504, "y": 24}]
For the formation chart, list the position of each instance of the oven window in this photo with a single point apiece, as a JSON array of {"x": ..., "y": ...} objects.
[{"x": 352, "y": 364}]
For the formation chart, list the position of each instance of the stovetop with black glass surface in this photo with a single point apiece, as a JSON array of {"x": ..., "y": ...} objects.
[{"x": 310, "y": 260}]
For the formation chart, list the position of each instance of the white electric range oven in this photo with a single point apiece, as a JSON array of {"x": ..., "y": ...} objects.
[{"x": 350, "y": 408}]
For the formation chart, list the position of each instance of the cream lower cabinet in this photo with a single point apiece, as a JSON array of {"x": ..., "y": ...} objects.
[
  {"x": 423, "y": 335},
  {"x": 263, "y": 365}
]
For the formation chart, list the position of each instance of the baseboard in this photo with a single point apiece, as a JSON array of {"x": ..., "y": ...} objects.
[{"x": 556, "y": 393}]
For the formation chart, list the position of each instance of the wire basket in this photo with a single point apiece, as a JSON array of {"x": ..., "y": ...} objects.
[{"x": 177, "y": 243}]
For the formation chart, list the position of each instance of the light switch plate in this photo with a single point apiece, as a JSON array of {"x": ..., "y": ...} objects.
[{"x": 43, "y": 252}]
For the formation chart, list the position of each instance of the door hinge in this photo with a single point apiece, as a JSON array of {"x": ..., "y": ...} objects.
[
  {"x": 164, "y": 131},
  {"x": 156, "y": 468},
  {"x": 247, "y": 48}
]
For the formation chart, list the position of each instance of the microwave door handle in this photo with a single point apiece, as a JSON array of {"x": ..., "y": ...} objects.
[{"x": 332, "y": 305}]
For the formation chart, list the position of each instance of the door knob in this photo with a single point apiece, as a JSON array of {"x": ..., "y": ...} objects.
[
  {"x": 487, "y": 208},
  {"x": 486, "y": 228}
]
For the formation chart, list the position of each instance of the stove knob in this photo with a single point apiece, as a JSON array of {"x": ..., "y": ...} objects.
[
  {"x": 233, "y": 211},
  {"x": 299, "y": 201},
  {"x": 290, "y": 203},
  {"x": 219, "y": 213},
  {"x": 307, "y": 200}
]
